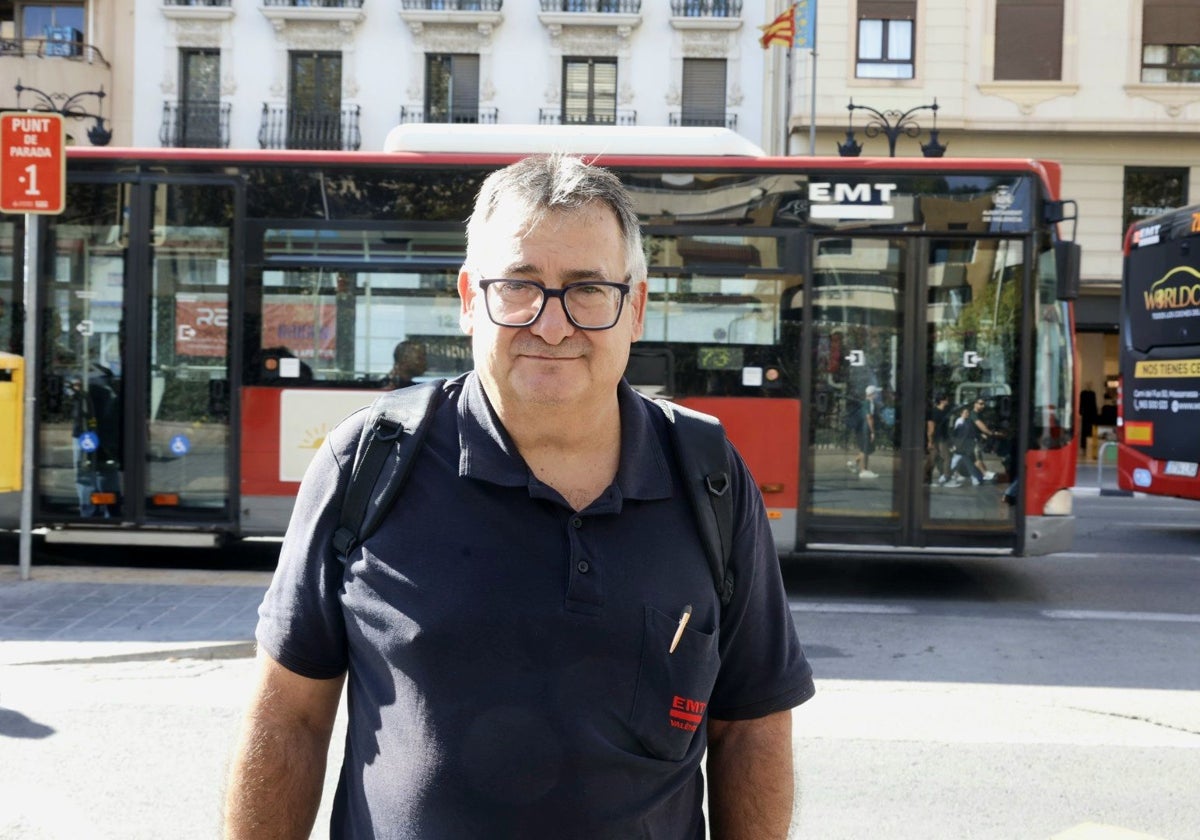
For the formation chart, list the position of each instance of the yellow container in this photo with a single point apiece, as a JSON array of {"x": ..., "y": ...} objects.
[{"x": 12, "y": 412}]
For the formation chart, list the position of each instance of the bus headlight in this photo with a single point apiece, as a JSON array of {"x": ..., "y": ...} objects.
[{"x": 1060, "y": 504}]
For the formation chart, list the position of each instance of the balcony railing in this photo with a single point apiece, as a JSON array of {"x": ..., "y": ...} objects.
[
  {"x": 621, "y": 7},
  {"x": 451, "y": 5},
  {"x": 556, "y": 116},
  {"x": 203, "y": 125},
  {"x": 678, "y": 119},
  {"x": 52, "y": 48},
  {"x": 706, "y": 8},
  {"x": 316, "y": 4},
  {"x": 196, "y": 2},
  {"x": 285, "y": 128},
  {"x": 464, "y": 116}
]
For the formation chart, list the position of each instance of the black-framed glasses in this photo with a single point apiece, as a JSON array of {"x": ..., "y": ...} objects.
[{"x": 594, "y": 305}]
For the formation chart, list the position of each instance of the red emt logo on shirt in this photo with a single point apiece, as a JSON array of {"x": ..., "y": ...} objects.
[{"x": 686, "y": 714}]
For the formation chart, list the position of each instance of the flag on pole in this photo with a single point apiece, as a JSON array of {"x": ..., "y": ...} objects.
[
  {"x": 805, "y": 16},
  {"x": 782, "y": 30}
]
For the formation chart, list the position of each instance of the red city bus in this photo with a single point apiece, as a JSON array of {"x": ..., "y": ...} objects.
[
  {"x": 1158, "y": 450},
  {"x": 208, "y": 315}
]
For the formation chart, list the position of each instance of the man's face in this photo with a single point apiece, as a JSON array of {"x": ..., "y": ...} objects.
[{"x": 551, "y": 362}]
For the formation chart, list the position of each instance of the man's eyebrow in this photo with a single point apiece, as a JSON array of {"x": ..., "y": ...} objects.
[{"x": 574, "y": 275}]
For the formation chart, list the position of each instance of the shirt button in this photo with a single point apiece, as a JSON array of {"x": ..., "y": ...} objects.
[
  {"x": 583, "y": 567},
  {"x": 576, "y": 522}
]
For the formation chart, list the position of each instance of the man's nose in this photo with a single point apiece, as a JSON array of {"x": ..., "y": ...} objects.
[{"x": 553, "y": 325}]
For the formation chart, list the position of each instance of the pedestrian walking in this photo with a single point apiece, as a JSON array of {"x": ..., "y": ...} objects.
[{"x": 865, "y": 423}]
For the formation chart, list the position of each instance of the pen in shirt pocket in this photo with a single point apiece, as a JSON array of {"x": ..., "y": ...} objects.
[{"x": 683, "y": 621}]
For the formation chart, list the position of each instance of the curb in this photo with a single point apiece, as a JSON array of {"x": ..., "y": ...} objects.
[{"x": 51, "y": 653}]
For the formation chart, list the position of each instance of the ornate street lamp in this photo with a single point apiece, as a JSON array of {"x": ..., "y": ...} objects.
[
  {"x": 891, "y": 124},
  {"x": 69, "y": 106}
]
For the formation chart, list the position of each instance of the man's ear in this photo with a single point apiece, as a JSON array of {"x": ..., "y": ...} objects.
[
  {"x": 466, "y": 296},
  {"x": 637, "y": 300}
]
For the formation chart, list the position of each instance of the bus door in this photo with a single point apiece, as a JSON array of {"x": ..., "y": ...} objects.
[
  {"x": 896, "y": 323},
  {"x": 135, "y": 411}
]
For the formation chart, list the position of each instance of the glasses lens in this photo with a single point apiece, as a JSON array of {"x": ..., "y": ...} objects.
[
  {"x": 595, "y": 307},
  {"x": 513, "y": 303}
]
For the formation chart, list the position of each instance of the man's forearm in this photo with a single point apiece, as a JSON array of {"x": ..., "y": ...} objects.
[
  {"x": 275, "y": 782},
  {"x": 750, "y": 784}
]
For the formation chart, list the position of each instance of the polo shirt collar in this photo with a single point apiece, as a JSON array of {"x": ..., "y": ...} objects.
[{"x": 487, "y": 453}]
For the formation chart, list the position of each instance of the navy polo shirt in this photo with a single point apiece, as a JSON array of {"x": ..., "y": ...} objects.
[{"x": 508, "y": 657}]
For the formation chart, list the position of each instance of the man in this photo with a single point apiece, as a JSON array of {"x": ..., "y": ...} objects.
[
  {"x": 861, "y": 465},
  {"x": 937, "y": 443},
  {"x": 533, "y": 640},
  {"x": 980, "y": 431},
  {"x": 408, "y": 362},
  {"x": 968, "y": 459}
]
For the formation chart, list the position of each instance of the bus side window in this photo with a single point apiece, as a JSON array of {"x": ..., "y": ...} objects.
[
  {"x": 277, "y": 366},
  {"x": 218, "y": 397},
  {"x": 651, "y": 370}
]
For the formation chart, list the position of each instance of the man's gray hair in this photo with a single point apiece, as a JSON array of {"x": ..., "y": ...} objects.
[{"x": 543, "y": 184}]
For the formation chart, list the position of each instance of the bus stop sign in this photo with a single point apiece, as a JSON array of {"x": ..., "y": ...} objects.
[{"x": 33, "y": 165}]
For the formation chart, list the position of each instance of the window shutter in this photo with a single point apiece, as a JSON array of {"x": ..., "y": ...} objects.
[
  {"x": 576, "y": 84},
  {"x": 464, "y": 91},
  {"x": 1029, "y": 36},
  {"x": 703, "y": 96},
  {"x": 887, "y": 10},
  {"x": 1170, "y": 22}
]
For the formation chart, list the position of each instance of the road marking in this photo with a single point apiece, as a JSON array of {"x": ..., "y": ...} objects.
[
  {"x": 1096, "y": 831},
  {"x": 1112, "y": 615},
  {"x": 1146, "y": 524},
  {"x": 871, "y": 609}
]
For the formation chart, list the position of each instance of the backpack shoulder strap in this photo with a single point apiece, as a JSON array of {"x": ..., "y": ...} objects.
[
  {"x": 700, "y": 448},
  {"x": 390, "y": 440}
]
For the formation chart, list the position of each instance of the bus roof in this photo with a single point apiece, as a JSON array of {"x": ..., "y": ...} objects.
[{"x": 608, "y": 140}]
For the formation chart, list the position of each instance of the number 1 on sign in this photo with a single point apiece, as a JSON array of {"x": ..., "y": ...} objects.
[{"x": 32, "y": 189}]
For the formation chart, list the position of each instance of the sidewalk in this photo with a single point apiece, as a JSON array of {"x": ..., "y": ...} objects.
[
  {"x": 1093, "y": 478},
  {"x": 118, "y": 614}
]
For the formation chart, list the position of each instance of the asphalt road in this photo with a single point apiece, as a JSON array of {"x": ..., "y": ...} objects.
[{"x": 1054, "y": 697}]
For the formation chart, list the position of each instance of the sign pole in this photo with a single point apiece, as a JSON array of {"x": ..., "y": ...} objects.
[
  {"x": 33, "y": 181},
  {"x": 33, "y": 237}
]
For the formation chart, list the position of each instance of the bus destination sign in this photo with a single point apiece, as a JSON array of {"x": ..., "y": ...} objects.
[{"x": 33, "y": 165}]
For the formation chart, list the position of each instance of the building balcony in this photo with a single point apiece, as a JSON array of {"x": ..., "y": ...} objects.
[
  {"x": 706, "y": 8},
  {"x": 603, "y": 7},
  {"x": 203, "y": 125},
  {"x": 706, "y": 14},
  {"x": 556, "y": 116},
  {"x": 677, "y": 119},
  {"x": 287, "y": 128},
  {"x": 197, "y": 9},
  {"x": 451, "y": 5},
  {"x": 457, "y": 116},
  {"x": 621, "y": 15},
  {"x": 477, "y": 12},
  {"x": 344, "y": 13}
]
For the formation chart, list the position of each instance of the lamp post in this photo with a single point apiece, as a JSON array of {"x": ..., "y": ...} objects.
[
  {"x": 69, "y": 106},
  {"x": 891, "y": 124}
]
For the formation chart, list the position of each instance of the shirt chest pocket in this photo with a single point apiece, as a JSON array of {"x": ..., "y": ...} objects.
[{"x": 673, "y": 688}]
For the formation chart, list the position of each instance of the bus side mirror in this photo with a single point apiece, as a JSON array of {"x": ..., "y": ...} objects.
[{"x": 1066, "y": 264}]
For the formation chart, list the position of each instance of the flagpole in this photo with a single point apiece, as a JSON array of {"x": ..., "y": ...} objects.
[
  {"x": 781, "y": 30},
  {"x": 812, "y": 96},
  {"x": 787, "y": 102}
]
